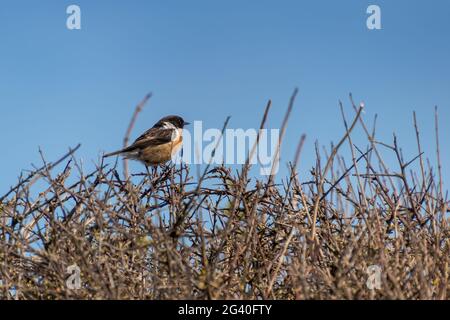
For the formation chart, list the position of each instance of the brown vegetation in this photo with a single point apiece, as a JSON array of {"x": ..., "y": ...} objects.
[{"x": 169, "y": 234}]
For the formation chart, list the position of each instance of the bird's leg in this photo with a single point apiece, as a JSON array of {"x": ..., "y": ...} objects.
[
  {"x": 150, "y": 175},
  {"x": 163, "y": 168}
]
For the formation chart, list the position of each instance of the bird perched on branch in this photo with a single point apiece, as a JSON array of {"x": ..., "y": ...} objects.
[{"x": 158, "y": 144}]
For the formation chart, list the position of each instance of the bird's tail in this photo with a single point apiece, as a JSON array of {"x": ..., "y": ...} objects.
[{"x": 112, "y": 154}]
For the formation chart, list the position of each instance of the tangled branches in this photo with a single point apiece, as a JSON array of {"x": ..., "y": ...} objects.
[{"x": 168, "y": 235}]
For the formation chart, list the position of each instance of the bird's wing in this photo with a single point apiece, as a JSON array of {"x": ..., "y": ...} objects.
[{"x": 151, "y": 137}]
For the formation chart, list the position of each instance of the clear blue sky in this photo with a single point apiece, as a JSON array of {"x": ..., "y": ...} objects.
[{"x": 206, "y": 60}]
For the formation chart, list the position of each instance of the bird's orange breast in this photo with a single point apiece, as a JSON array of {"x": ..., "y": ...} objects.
[{"x": 154, "y": 155}]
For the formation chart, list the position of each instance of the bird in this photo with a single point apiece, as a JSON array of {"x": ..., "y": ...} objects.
[{"x": 158, "y": 144}]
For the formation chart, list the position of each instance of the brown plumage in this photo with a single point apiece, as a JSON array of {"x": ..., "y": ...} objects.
[{"x": 158, "y": 144}]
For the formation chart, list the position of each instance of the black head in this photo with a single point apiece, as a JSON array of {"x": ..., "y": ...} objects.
[{"x": 176, "y": 121}]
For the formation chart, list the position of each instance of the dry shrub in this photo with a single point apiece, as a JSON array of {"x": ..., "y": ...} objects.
[{"x": 166, "y": 234}]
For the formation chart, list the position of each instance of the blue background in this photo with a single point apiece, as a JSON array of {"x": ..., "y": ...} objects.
[{"x": 205, "y": 60}]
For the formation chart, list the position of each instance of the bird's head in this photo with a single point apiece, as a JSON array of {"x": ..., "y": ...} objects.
[{"x": 171, "y": 121}]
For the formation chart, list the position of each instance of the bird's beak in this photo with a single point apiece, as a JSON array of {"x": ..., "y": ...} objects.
[{"x": 186, "y": 123}]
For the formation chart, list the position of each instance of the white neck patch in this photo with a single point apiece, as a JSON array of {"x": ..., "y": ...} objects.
[
  {"x": 176, "y": 132},
  {"x": 169, "y": 125}
]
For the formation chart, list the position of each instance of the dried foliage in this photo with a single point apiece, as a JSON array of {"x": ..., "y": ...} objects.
[{"x": 223, "y": 234}]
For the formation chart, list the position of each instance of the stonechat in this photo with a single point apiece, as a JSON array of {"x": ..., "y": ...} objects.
[{"x": 158, "y": 144}]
